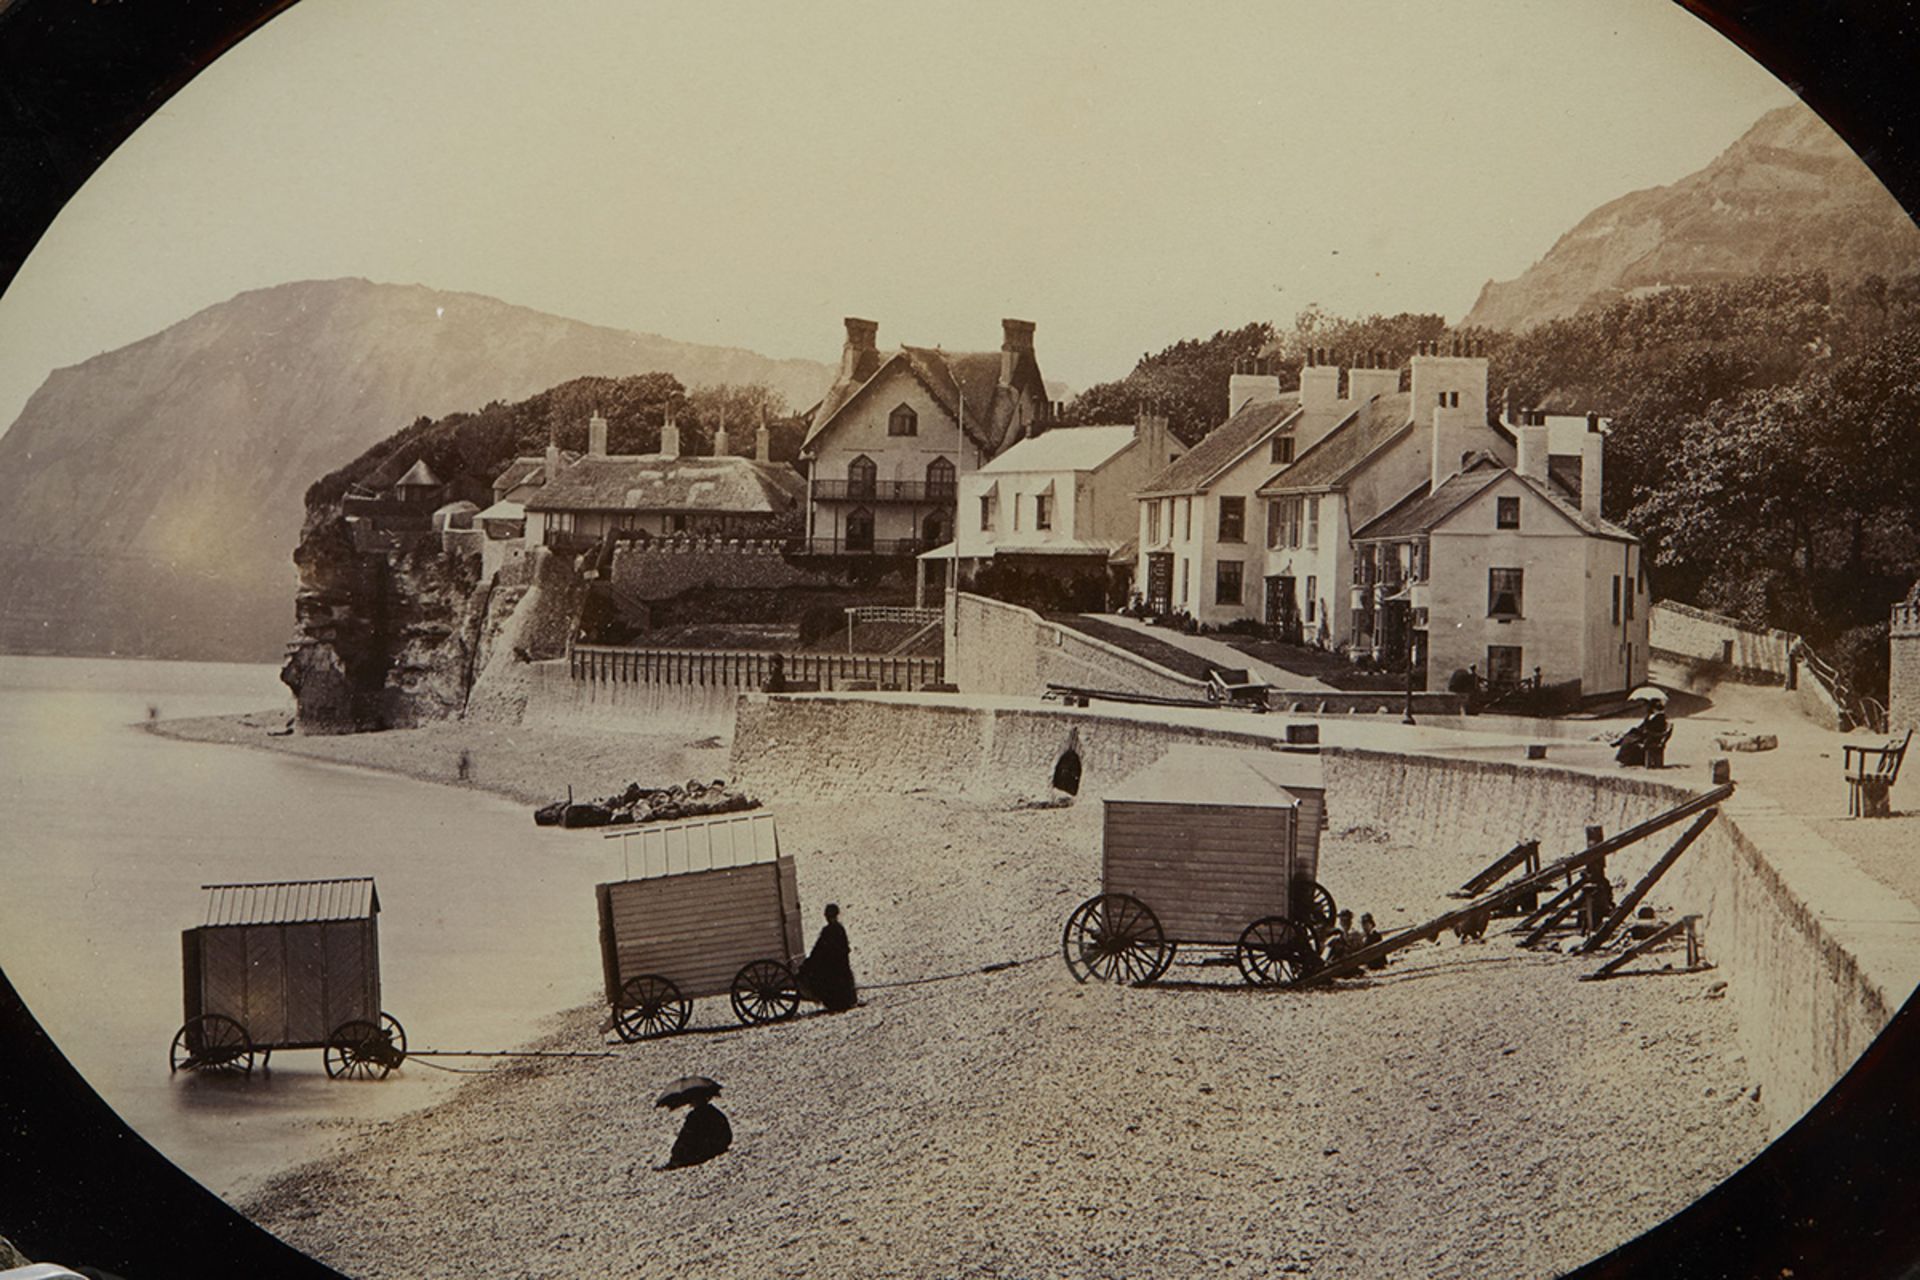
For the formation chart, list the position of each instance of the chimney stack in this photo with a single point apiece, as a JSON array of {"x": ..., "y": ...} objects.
[
  {"x": 1151, "y": 430},
  {"x": 861, "y": 356},
  {"x": 1591, "y": 445},
  {"x": 1016, "y": 339},
  {"x": 1533, "y": 453},
  {"x": 722, "y": 445},
  {"x": 1370, "y": 377},
  {"x": 596, "y": 437},
  {"x": 670, "y": 435}
]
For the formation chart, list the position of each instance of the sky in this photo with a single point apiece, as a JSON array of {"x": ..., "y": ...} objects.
[{"x": 1124, "y": 174}]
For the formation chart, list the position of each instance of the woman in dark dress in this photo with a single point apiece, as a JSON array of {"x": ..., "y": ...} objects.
[{"x": 827, "y": 973}]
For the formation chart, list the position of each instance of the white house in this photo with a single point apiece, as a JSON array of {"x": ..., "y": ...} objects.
[
  {"x": 889, "y": 441},
  {"x": 1510, "y": 573}
]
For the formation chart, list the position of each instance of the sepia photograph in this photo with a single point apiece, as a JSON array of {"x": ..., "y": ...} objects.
[{"x": 933, "y": 640}]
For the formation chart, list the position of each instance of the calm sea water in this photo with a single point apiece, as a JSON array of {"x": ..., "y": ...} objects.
[{"x": 107, "y": 833}]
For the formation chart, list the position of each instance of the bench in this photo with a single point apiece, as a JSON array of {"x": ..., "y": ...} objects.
[
  {"x": 1656, "y": 750},
  {"x": 1870, "y": 780}
]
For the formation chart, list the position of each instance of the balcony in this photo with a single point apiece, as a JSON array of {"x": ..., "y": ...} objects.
[{"x": 885, "y": 491}]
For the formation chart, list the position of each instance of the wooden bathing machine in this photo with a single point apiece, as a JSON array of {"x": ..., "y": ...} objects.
[
  {"x": 1210, "y": 847},
  {"x": 292, "y": 964},
  {"x": 1212, "y": 837},
  {"x": 709, "y": 907}
]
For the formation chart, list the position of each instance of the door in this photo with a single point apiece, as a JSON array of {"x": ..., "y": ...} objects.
[
  {"x": 1160, "y": 581},
  {"x": 1283, "y": 609}
]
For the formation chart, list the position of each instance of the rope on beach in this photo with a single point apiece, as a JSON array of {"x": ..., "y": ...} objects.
[{"x": 997, "y": 967}]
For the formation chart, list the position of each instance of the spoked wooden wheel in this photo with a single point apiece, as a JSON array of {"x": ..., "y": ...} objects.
[
  {"x": 1115, "y": 937},
  {"x": 1272, "y": 951},
  {"x": 765, "y": 991},
  {"x": 213, "y": 1042},
  {"x": 1313, "y": 906},
  {"x": 396, "y": 1037},
  {"x": 650, "y": 1005},
  {"x": 362, "y": 1050}
]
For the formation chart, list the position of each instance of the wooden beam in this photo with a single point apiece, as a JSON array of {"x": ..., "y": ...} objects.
[
  {"x": 1639, "y": 891},
  {"x": 1684, "y": 925},
  {"x": 1569, "y": 900},
  {"x": 1536, "y": 916},
  {"x": 1496, "y": 869},
  {"x": 1532, "y": 883}
]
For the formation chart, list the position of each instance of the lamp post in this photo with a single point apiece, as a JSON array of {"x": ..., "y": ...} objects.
[{"x": 1408, "y": 717}]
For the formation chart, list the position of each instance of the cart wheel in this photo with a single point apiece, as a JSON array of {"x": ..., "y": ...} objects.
[
  {"x": 1313, "y": 906},
  {"x": 765, "y": 991},
  {"x": 213, "y": 1042},
  {"x": 360, "y": 1050},
  {"x": 1116, "y": 938},
  {"x": 1272, "y": 951},
  {"x": 650, "y": 1005},
  {"x": 396, "y": 1037}
]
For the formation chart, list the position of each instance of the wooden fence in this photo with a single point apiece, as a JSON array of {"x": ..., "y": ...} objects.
[{"x": 742, "y": 669}]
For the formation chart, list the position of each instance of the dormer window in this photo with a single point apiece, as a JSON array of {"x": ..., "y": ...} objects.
[
  {"x": 1280, "y": 453},
  {"x": 903, "y": 421}
]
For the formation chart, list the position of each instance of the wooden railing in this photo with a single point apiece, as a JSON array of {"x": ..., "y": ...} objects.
[{"x": 745, "y": 669}]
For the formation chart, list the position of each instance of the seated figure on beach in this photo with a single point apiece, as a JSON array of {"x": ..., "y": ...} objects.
[
  {"x": 704, "y": 1135},
  {"x": 827, "y": 973}
]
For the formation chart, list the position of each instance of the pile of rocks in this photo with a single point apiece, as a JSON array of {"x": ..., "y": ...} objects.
[{"x": 646, "y": 804}]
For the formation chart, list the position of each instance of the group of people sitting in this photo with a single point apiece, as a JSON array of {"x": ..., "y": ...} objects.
[{"x": 1347, "y": 939}]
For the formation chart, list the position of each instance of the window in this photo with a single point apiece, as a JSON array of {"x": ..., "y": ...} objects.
[
  {"x": 1506, "y": 513},
  {"x": 1503, "y": 593},
  {"x": 1186, "y": 580},
  {"x": 1629, "y": 606},
  {"x": 861, "y": 475},
  {"x": 1293, "y": 522},
  {"x": 1186, "y": 533},
  {"x": 1616, "y": 597},
  {"x": 986, "y": 513},
  {"x": 1503, "y": 665},
  {"x": 1448, "y": 400},
  {"x": 1273, "y": 523},
  {"x": 1153, "y": 523},
  {"x": 1312, "y": 583},
  {"x": 903, "y": 421},
  {"x": 1233, "y": 519},
  {"x": 1313, "y": 521},
  {"x": 1226, "y": 586},
  {"x": 1016, "y": 513},
  {"x": 1043, "y": 511},
  {"x": 1280, "y": 452},
  {"x": 940, "y": 479}
]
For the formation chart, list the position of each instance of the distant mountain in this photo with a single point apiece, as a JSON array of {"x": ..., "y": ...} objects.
[
  {"x": 1788, "y": 196},
  {"x": 155, "y": 493}
]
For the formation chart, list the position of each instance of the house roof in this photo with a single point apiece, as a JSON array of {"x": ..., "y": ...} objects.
[
  {"x": 656, "y": 482},
  {"x": 419, "y": 474},
  {"x": 291, "y": 901},
  {"x": 529, "y": 471},
  {"x": 964, "y": 383},
  {"x": 1197, "y": 468},
  {"x": 1064, "y": 449},
  {"x": 1421, "y": 512},
  {"x": 1236, "y": 776},
  {"x": 1333, "y": 459}
]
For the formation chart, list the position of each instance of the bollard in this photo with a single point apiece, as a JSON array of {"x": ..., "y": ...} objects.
[{"x": 1722, "y": 772}]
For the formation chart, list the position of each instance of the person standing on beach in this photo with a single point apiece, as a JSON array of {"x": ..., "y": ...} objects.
[{"x": 827, "y": 973}]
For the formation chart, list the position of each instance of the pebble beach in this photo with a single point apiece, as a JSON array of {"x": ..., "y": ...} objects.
[{"x": 1472, "y": 1110}]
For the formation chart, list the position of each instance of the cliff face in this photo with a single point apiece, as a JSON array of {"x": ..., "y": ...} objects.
[
  {"x": 155, "y": 492},
  {"x": 1787, "y": 197}
]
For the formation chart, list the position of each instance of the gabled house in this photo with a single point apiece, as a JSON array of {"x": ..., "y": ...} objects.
[
  {"x": 1508, "y": 573},
  {"x": 888, "y": 443},
  {"x": 1195, "y": 535},
  {"x": 635, "y": 497},
  {"x": 1383, "y": 444},
  {"x": 1059, "y": 504}
]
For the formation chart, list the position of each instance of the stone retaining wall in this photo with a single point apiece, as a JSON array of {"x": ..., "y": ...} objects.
[
  {"x": 1757, "y": 653},
  {"x": 1806, "y": 1005}
]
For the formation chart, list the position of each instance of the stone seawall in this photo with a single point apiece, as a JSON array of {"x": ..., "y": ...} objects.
[{"x": 1806, "y": 1002}]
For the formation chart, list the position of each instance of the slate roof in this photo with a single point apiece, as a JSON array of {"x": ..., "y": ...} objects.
[
  {"x": 1064, "y": 449},
  {"x": 1420, "y": 511},
  {"x": 655, "y": 482},
  {"x": 952, "y": 378},
  {"x": 1220, "y": 448},
  {"x": 1339, "y": 453}
]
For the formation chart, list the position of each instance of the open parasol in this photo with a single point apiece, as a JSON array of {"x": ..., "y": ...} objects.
[{"x": 688, "y": 1090}]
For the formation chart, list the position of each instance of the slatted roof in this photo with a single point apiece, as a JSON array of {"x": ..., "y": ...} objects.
[
  {"x": 291, "y": 901},
  {"x": 1236, "y": 776}
]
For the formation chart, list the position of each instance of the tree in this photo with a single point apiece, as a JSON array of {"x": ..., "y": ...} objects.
[{"x": 1186, "y": 381}]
